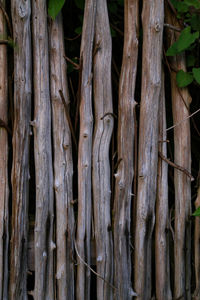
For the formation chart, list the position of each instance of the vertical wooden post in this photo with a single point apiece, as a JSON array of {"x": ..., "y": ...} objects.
[
  {"x": 44, "y": 245},
  {"x": 163, "y": 290},
  {"x": 152, "y": 21},
  {"x": 63, "y": 165},
  {"x": 85, "y": 152},
  {"x": 21, "y": 12},
  {"x": 4, "y": 213},
  {"x": 197, "y": 244},
  {"x": 125, "y": 142},
  {"x": 101, "y": 142}
]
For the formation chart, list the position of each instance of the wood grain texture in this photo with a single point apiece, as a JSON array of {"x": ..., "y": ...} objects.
[
  {"x": 44, "y": 244},
  {"x": 4, "y": 213},
  {"x": 63, "y": 165},
  {"x": 163, "y": 289},
  {"x": 101, "y": 143},
  {"x": 125, "y": 150},
  {"x": 21, "y": 11},
  {"x": 83, "y": 237},
  {"x": 182, "y": 156},
  {"x": 152, "y": 22}
]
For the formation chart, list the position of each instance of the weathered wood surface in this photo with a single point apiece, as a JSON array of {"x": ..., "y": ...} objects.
[
  {"x": 197, "y": 244},
  {"x": 44, "y": 244},
  {"x": 85, "y": 153},
  {"x": 21, "y": 12},
  {"x": 4, "y": 233},
  {"x": 182, "y": 156},
  {"x": 125, "y": 151},
  {"x": 101, "y": 142},
  {"x": 152, "y": 21},
  {"x": 63, "y": 165},
  {"x": 163, "y": 289}
]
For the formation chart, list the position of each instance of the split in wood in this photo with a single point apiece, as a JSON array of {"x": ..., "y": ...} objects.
[{"x": 4, "y": 125}]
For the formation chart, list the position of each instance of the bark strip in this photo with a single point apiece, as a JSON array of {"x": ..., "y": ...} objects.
[
  {"x": 182, "y": 157},
  {"x": 163, "y": 289},
  {"x": 63, "y": 165},
  {"x": 21, "y": 12},
  {"x": 152, "y": 21},
  {"x": 101, "y": 144},
  {"x": 125, "y": 150},
  {"x": 44, "y": 245},
  {"x": 83, "y": 238},
  {"x": 4, "y": 234}
]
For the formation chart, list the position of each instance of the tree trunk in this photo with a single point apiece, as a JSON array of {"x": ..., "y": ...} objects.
[
  {"x": 152, "y": 20},
  {"x": 63, "y": 165},
  {"x": 101, "y": 143},
  {"x": 44, "y": 245},
  {"x": 163, "y": 289},
  {"x": 21, "y": 12},
  {"x": 197, "y": 243},
  {"x": 4, "y": 233},
  {"x": 85, "y": 152},
  {"x": 182, "y": 183},
  {"x": 124, "y": 175}
]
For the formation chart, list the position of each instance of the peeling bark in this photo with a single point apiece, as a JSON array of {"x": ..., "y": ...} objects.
[
  {"x": 85, "y": 153},
  {"x": 21, "y": 12},
  {"x": 63, "y": 165},
  {"x": 4, "y": 234},
  {"x": 44, "y": 245},
  {"x": 125, "y": 149},
  {"x": 101, "y": 143},
  {"x": 152, "y": 21},
  {"x": 163, "y": 289}
]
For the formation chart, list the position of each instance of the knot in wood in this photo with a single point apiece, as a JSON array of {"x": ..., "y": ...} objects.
[
  {"x": 157, "y": 27},
  {"x": 22, "y": 9}
]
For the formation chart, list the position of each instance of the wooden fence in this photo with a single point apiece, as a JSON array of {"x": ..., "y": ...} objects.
[{"x": 127, "y": 234}]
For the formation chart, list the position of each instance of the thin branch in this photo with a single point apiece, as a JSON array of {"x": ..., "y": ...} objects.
[
  {"x": 7, "y": 18},
  {"x": 194, "y": 113},
  {"x": 68, "y": 118},
  {"x": 174, "y": 165},
  {"x": 4, "y": 42},
  {"x": 76, "y": 66},
  {"x": 172, "y": 27}
]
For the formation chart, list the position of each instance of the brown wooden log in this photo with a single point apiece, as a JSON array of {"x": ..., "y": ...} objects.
[
  {"x": 85, "y": 153},
  {"x": 197, "y": 245},
  {"x": 101, "y": 142},
  {"x": 152, "y": 21},
  {"x": 182, "y": 156},
  {"x": 125, "y": 149},
  {"x": 163, "y": 289},
  {"x": 21, "y": 12},
  {"x": 44, "y": 245},
  {"x": 4, "y": 213},
  {"x": 63, "y": 165}
]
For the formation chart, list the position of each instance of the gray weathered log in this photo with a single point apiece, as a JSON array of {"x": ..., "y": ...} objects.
[
  {"x": 101, "y": 142},
  {"x": 63, "y": 165},
  {"x": 44, "y": 245},
  {"x": 85, "y": 153},
  {"x": 125, "y": 149},
  {"x": 182, "y": 156},
  {"x": 152, "y": 21},
  {"x": 163, "y": 289},
  {"x": 21, "y": 12},
  {"x": 4, "y": 213}
]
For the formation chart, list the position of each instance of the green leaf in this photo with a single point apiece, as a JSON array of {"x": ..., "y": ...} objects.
[
  {"x": 54, "y": 7},
  {"x": 196, "y": 74},
  {"x": 185, "y": 39},
  {"x": 113, "y": 32},
  {"x": 197, "y": 212},
  {"x": 190, "y": 60},
  {"x": 195, "y": 22},
  {"x": 78, "y": 30},
  {"x": 182, "y": 7},
  {"x": 80, "y": 4},
  {"x": 194, "y": 3},
  {"x": 183, "y": 78}
]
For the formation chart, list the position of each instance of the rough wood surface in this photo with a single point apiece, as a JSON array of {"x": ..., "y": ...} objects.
[
  {"x": 125, "y": 149},
  {"x": 21, "y": 11},
  {"x": 44, "y": 245},
  {"x": 101, "y": 142},
  {"x": 85, "y": 153},
  {"x": 163, "y": 289},
  {"x": 197, "y": 245},
  {"x": 4, "y": 234},
  {"x": 152, "y": 21},
  {"x": 182, "y": 156},
  {"x": 63, "y": 165}
]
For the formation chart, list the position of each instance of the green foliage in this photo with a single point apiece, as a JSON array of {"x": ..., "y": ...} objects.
[
  {"x": 54, "y": 7},
  {"x": 197, "y": 212},
  {"x": 80, "y": 4},
  {"x": 188, "y": 41}
]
